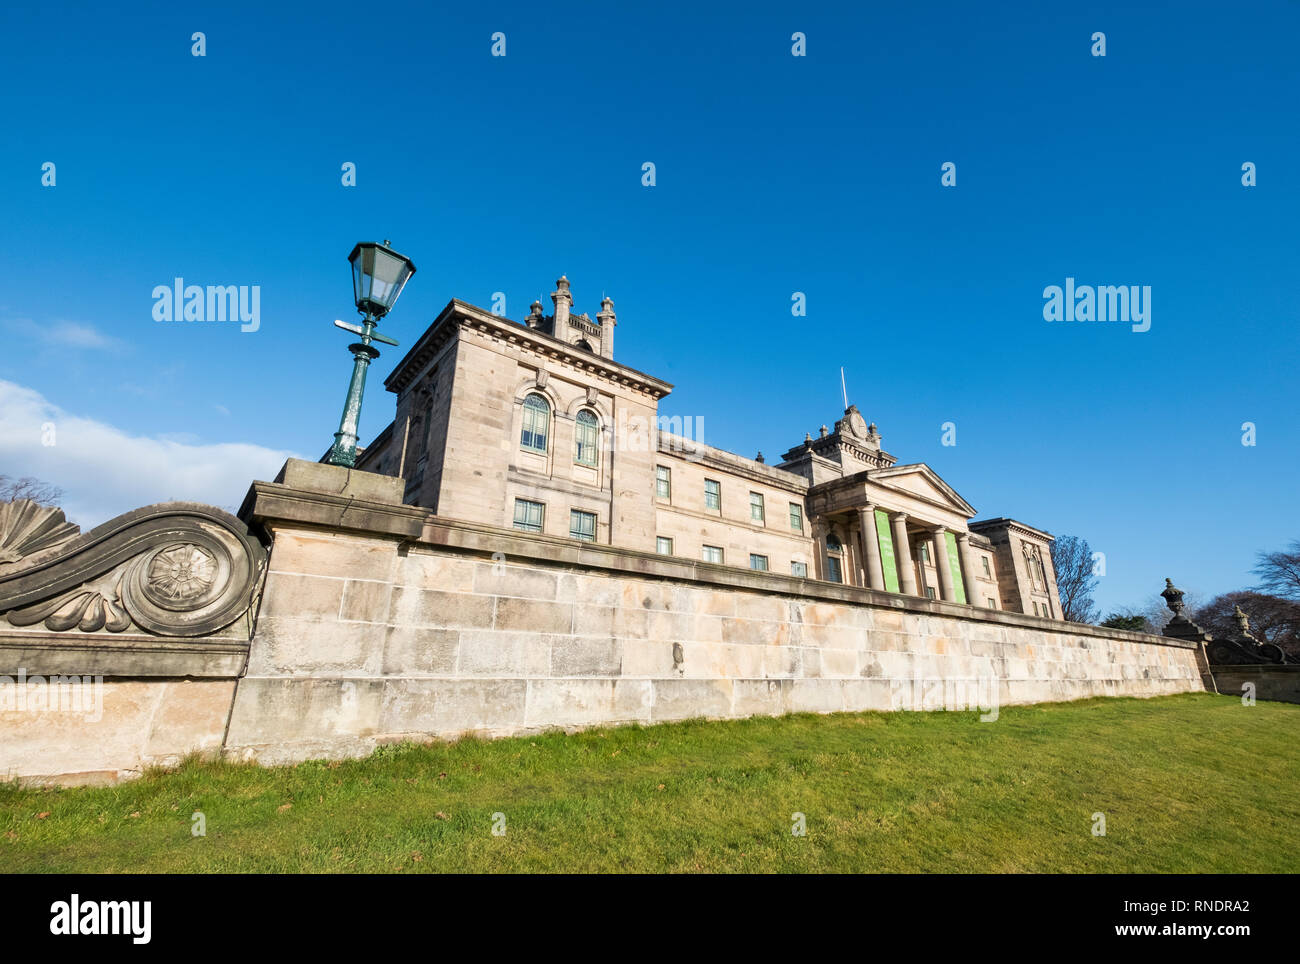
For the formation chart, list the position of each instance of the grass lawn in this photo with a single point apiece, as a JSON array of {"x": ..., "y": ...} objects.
[{"x": 1192, "y": 783}]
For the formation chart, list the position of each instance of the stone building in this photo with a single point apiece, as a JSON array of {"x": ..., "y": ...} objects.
[{"x": 535, "y": 426}]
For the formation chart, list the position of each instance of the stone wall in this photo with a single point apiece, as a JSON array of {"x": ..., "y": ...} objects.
[
  {"x": 121, "y": 727},
  {"x": 378, "y": 622},
  {"x": 396, "y": 629},
  {"x": 1271, "y": 681},
  {"x": 120, "y": 647}
]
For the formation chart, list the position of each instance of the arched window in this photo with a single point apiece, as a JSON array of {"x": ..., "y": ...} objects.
[
  {"x": 584, "y": 345},
  {"x": 537, "y": 424},
  {"x": 834, "y": 558},
  {"x": 586, "y": 439}
]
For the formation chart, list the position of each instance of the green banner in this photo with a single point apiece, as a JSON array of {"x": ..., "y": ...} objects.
[
  {"x": 954, "y": 563},
  {"x": 887, "y": 561}
]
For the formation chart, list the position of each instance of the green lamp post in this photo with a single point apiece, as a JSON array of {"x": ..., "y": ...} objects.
[{"x": 378, "y": 275}]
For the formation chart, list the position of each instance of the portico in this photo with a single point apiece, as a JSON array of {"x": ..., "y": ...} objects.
[
  {"x": 901, "y": 529},
  {"x": 880, "y": 547}
]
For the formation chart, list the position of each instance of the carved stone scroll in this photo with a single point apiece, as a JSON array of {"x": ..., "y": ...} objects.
[{"x": 172, "y": 569}]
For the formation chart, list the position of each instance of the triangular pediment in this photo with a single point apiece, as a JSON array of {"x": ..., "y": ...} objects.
[{"x": 920, "y": 480}]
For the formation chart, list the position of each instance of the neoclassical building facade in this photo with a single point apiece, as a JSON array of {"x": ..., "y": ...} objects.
[{"x": 535, "y": 426}]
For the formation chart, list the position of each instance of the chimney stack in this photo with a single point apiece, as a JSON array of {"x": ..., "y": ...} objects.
[
  {"x": 607, "y": 320},
  {"x": 563, "y": 301}
]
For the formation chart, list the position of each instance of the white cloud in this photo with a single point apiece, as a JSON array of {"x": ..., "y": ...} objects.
[
  {"x": 105, "y": 472},
  {"x": 66, "y": 334},
  {"x": 72, "y": 335}
]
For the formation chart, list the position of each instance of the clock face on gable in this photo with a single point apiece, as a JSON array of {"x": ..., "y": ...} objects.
[{"x": 857, "y": 425}]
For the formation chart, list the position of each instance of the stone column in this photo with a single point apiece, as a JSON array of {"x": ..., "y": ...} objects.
[
  {"x": 947, "y": 588},
  {"x": 967, "y": 566},
  {"x": 903, "y": 554},
  {"x": 871, "y": 547},
  {"x": 820, "y": 568},
  {"x": 849, "y": 557}
]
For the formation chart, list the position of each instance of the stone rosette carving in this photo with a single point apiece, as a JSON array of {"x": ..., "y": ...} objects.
[{"x": 173, "y": 569}]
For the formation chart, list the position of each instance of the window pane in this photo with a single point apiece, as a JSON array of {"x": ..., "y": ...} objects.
[
  {"x": 833, "y": 569},
  {"x": 712, "y": 554},
  {"x": 586, "y": 436},
  {"x": 537, "y": 422},
  {"x": 712, "y": 494},
  {"x": 755, "y": 507},
  {"x": 799, "y": 569},
  {"x": 664, "y": 546},
  {"x": 582, "y": 525},
  {"x": 833, "y": 543},
  {"x": 758, "y": 562},
  {"x": 796, "y": 517},
  {"x": 663, "y": 482},
  {"x": 528, "y": 515}
]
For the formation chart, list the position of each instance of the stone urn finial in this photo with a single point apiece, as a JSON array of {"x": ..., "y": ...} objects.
[{"x": 1173, "y": 598}]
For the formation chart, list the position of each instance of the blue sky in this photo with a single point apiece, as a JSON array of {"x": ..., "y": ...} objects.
[{"x": 775, "y": 174}]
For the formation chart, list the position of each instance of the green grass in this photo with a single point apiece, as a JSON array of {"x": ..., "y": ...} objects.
[{"x": 1193, "y": 783}]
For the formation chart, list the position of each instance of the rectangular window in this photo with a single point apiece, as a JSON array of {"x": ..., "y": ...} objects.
[
  {"x": 711, "y": 554},
  {"x": 925, "y": 552},
  {"x": 529, "y": 515},
  {"x": 799, "y": 569},
  {"x": 796, "y": 517},
  {"x": 833, "y": 569},
  {"x": 663, "y": 482},
  {"x": 756, "y": 507},
  {"x": 929, "y": 592},
  {"x": 758, "y": 562},
  {"x": 993, "y": 603},
  {"x": 582, "y": 525},
  {"x": 987, "y": 571},
  {"x": 712, "y": 494},
  {"x": 664, "y": 546}
]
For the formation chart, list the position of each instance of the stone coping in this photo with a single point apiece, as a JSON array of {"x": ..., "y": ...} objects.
[
  {"x": 273, "y": 501},
  {"x": 272, "y": 504},
  {"x": 121, "y": 655}
]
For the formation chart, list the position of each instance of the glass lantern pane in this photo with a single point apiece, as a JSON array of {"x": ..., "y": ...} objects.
[{"x": 389, "y": 274}]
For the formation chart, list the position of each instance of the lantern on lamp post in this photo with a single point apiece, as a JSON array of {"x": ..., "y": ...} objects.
[{"x": 378, "y": 275}]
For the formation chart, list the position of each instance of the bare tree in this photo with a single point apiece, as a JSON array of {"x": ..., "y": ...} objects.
[
  {"x": 1072, "y": 560},
  {"x": 1279, "y": 572},
  {"x": 11, "y": 490}
]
